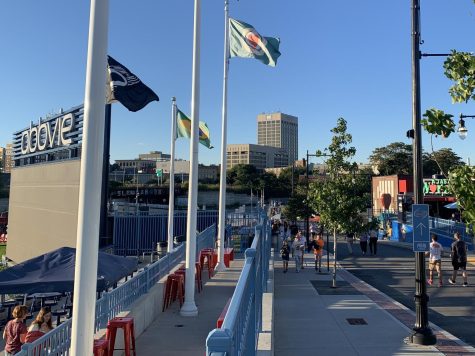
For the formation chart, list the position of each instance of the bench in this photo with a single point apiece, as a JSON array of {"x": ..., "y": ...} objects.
[{"x": 220, "y": 320}]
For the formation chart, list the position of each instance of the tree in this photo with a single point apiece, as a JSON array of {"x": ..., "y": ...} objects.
[
  {"x": 440, "y": 162},
  {"x": 460, "y": 68},
  {"x": 395, "y": 158},
  {"x": 244, "y": 175},
  {"x": 336, "y": 198}
]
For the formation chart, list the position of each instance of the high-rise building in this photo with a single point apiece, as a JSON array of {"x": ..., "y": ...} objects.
[
  {"x": 6, "y": 157},
  {"x": 279, "y": 130}
]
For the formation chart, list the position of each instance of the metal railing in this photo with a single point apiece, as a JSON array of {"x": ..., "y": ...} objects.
[
  {"x": 243, "y": 321},
  {"x": 57, "y": 341},
  {"x": 140, "y": 233}
]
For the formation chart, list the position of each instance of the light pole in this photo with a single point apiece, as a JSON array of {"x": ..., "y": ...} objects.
[
  {"x": 422, "y": 332},
  {"x": 307, "y": 208},
  {"x": 462, "y": 130}
]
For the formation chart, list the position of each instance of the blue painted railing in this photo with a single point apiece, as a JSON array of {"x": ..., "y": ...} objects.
[
  {"x": 243, "y": 321},
  {"x": 58, "y": 341}
]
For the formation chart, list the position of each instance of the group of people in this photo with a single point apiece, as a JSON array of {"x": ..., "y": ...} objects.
[
  {"x": 16, "y": 333},
  {"x": 297, "y": 246},
  {"x": 458, "y": 257}
]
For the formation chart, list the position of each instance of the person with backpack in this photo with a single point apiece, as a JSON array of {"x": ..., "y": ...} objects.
[
  {"x": 458, "y": 254},
  {"x": 284, "y": 254}
]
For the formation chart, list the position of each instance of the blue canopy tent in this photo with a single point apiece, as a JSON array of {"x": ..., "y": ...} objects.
[{"x": 54, "y": 272}]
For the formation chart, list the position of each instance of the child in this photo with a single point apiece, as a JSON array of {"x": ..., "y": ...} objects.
[
  {"x": 15, "y": 331},
  {"x": 284, "y": 253},
  {"x": 42, "y": 324}
]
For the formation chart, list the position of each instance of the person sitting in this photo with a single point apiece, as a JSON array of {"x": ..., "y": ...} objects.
[{"x": 40, "y": 326}]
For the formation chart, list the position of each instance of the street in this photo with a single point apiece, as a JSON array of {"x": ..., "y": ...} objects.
[{"x": 451, "y": 307}]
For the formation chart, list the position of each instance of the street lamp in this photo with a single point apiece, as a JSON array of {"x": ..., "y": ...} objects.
[{"x": 462, "y": 130}]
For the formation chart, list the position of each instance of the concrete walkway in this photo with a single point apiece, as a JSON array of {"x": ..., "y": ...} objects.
[
  {"x": 311, "y": 318},
  {"x": 172, "y": 334}
]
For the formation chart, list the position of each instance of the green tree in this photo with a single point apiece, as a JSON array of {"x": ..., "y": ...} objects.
[
  {"x": 335, "y": 198},
  {"x": 244, "y": 175},
  {"x": 440, "y": 162},
  {"x": 460, "y": 69},
  {"x": 395, "y": 158}
]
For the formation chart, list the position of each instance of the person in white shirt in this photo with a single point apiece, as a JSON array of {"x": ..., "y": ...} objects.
[
  {"x": 298, "y": 247},
  {"x": 435, "y": 259}
]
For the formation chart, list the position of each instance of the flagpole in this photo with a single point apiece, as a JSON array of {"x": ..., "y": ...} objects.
[
  {"x": 171, "y": 194},
  {"x": 222, "y": 179},
  {"x": 87, "y": 245},
  {"x": 189, "y": 307}
]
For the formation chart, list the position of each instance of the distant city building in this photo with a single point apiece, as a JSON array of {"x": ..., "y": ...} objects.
[
  {"x": 258, "y": 155},
  {"x": 155, "y": 156},
  {"x": 279, "y": 130},
  {"x": 131, "y": 166},
  {"x": 6, "y": 157},
  {"x": 182, "y": 170}
]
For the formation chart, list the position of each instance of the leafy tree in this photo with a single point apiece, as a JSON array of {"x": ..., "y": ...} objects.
[
  {"x": 395, "y": 158},
  {"x": 460, "y": 68},
  {"x": 336, "y": 198},
  {"x": 245, "y": 175},
  {"x": 440, "y": 162}
]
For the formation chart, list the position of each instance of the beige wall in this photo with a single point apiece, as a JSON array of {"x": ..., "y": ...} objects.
[{"x": 43, "y": 208}]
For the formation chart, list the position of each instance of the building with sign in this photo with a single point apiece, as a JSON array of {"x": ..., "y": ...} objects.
[
  {"x": 44, "y": 187},
  {"x": 393, "y": 194}
]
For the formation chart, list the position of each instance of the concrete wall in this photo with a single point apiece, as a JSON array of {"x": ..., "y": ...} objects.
[{"x": 43, "y": 209}]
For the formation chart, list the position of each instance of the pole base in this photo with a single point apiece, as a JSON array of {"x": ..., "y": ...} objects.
[
  {"x": 423, "y": 337},
  {"x": 189, "y": 309},
  {"x": 220, "y": 267}
]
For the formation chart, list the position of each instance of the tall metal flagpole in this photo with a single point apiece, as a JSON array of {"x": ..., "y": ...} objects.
[
  {"x": 189, "y": 307},
  {"x": 222, "y": 179},
  {"x": 85, "y": 276},
  {"x": 171, "y": 195},
  {"x": 422, "y": 332}
]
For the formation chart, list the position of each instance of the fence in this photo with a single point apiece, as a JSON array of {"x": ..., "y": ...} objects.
[
  {"x": 140, "y": 233},
  {"x": 58, "y": 341},
  {"x": 242, "y": 323}
]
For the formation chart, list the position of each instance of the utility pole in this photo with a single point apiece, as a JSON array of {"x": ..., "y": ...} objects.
[{"x": 422, "y": 332}]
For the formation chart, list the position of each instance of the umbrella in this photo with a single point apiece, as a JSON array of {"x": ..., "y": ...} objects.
[{"x": 453, "y": 205}]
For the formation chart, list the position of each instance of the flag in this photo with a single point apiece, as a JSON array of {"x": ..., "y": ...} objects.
[
  {"x": 125, "y": 87},
  {"x": 183, "y": 129},
  {"x": 244, "y": 41}
]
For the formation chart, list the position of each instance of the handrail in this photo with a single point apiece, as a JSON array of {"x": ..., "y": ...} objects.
[
  {"x": 57, "y": 341},
  {"x": 242, "y": 322}
]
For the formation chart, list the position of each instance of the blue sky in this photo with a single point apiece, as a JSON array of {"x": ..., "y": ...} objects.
[{"x": 340, "y": 58}]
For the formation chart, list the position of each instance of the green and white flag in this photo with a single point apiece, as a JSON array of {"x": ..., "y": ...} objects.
[
  {"x": 183, "y": 129},
  {"x": 246, "y": 42}
]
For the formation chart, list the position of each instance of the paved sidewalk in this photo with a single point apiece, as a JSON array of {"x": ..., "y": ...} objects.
[
  {"x": 172, "y": 334},
  {"x": 311, "y": 318}
]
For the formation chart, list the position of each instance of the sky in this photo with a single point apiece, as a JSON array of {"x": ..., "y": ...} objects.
[{"x": 340, "y": 58}]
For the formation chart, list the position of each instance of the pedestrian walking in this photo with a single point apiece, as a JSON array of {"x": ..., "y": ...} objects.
[
  {"x": 303, "y": 241},
  {"x": 373, "y": 242},
  {"x": 435, "y": 259},
  {"x": 364, "y": 243},
  {"x": 317, "y": 246},
  {"x": 298, "y": 247},
  {"x": 458, "y": 254},
  {"x": 349, "y": 241},
  {"x": 284, "y": 254}
]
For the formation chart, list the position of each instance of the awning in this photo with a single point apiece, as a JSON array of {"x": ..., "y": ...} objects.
[{"x": 54, "y": 272}]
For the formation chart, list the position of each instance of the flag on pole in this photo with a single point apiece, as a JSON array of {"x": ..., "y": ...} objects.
[
  {"x": 183, "y": 129},
  {"x": 126, "y": 87},
  {"x": 246, "y": 42}
]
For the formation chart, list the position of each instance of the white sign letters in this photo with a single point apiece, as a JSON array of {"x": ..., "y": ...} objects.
[{"x": 47, "y": 135}]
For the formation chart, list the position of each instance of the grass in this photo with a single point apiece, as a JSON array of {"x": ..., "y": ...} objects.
[{"x": 3, "y": 249}]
